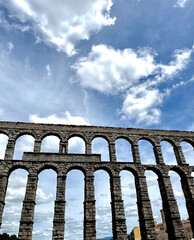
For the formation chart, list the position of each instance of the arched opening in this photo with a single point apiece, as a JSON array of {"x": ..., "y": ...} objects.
[
  {"x": 3, "y": 144},
  {"x": 14, "y": 201},
  {"x": 25, "y": 143},
  {"x": 50, "y": 144},
  {"x": 74, "y": 205},
  {"x": 123, "y": 150},
  {"x": 44, "y": 209},
  {"x": 188, "y": 152},
  {"x": 168, "y": 153},
  {"x": 76, "y": 145},
  {"x": 192, "y": 174},
  {"x": 146, "y": 152},
  {"x": 130, "y": 198},
  {"x": 103, "y": 207},
  {"x": 179, "y": 195},
  {"x": 154, "y": 195},
  {"x": 100, "y": 146}
]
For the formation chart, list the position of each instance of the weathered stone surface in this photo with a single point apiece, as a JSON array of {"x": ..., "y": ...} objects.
[{"x": 88, "y": 163}]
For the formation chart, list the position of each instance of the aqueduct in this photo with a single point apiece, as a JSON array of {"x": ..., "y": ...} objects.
[{"x": 62, "y": 162}]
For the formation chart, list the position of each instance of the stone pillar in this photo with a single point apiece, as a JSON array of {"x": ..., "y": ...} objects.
[
  {"x": 27, "y": 216},
  {"x": 88, "y": 148},
  {"x": 9, "y": 152},
  {"x": 63, "y": 147},
  {"x": 135, "y": 153},
  {"x": 37, "y": 145},
  {"x": 59, "y": 214},
  {"x": 3, "y": 188},
  {"x": 179, "y": 155},
  {"x": 158, "y": 154},
  {"x": 112, "y": 154},
  {"x": 89, "y": 209},
  {"x": 146, "y": 221},
  {"x": 118, "y": 213},
  {"x": 170, "y": 208},
  {"x": 188, "y": 189}
]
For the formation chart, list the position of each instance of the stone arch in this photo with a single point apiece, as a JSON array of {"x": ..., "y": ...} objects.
[
  {"x": 50, "y": 143},
  {"x": 5, "y": 133},
  {"x": 104, "y": 168},
  {"x": 14, "y": 197},
  {"x": 128, "y": 139},
  {"x": 76, "y": 167},
  {"x": 101, "y": 135},
  {"x": 76, "y": 144},
  {"x": 131, "y": 170},
  {"x": 154, "y": 169},
  {"x": 178, "y": 170},
  {"x": 17, "y": 167},
  {"x": 103, "y": 206},
  {"x": 168, "y": 153},
  {"x": 74, "y": 211},
  {"x": 23, "y": 133},
  {"x": 129, "y": 197},
  {"x": 50, "y": 133},
  {"x": 169, "y": 140},
  {"x": 177, "y": 178},
  {"x": 152, "y": 177},
  {"x": 123, "y": 150},
  {"x": 101, "y": 147},
  {"x": 188, "y": 141},
  {"x": 187, "y": 185},
  {"x": 82, "y": 136},
  {"x": 148, "y": 139},
  {"x": 48, "y": 166},
  {"x": 188, "y": 151},
  {"x": 146, "y": 151},
  {"x": 45, "y": 197},
  {"x": 24, "y": 143}
]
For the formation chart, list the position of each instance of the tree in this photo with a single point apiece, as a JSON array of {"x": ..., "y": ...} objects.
[{"x": 5, "y": 236}]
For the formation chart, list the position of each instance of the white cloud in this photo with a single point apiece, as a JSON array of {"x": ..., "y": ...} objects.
[
  {"x": 41, "y": 196},
  {"x": 181, "y": 59},
  {"x": 48, "y": 70},
  {"x": 10, "y": 47},
  {"x": 62, "y": 24},
  {"x": 181, "y": 3},
  {"x": 65, "y": 118},
  {"x": 108, "y": 70},
  {"x": 142, "y": 105},
  {"x": 12, "y": 25},
  {"x": 75, "y": 144},
  {"x": 178, "y": 194},
  {"x": 135, "y": 74}
]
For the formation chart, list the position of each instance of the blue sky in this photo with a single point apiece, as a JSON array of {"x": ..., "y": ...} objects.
[{"x": 125, "y": 63}]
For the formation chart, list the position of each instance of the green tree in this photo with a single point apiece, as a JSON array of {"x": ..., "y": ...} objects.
[{"x": 5, "y": 236}]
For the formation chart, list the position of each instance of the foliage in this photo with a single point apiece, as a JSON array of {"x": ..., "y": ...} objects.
[{"x": 5, "y": 236}]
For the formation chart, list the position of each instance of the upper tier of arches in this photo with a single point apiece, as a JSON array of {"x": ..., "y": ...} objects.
[{"x": 88, "y": 135}]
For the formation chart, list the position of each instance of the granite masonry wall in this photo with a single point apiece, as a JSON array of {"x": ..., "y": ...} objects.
[{"x": 62, "y": 162}]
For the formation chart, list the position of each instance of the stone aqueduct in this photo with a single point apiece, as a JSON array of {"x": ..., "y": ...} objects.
[{"x": 62, "y": 162}]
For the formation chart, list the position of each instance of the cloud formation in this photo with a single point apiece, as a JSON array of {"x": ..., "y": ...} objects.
[
  {"x": 65, "y": 118},
  {"x": 133, "y": 73},
  {"x": 62, "y": 24},
  {"x": 181, "y": 3},
  {"x": 111, "y": 71}
]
